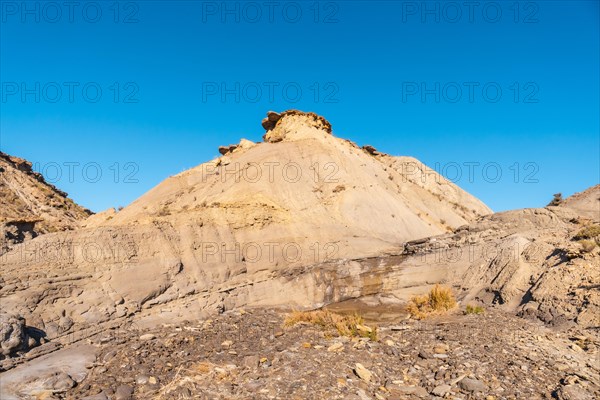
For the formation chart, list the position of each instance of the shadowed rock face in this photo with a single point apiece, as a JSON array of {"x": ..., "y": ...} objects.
[{"x": 18, "y": 232}]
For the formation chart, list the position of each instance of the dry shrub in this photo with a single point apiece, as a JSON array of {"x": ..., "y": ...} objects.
[
  {"x": 202, "y": 368},
  {"x": 474, "y": 309},
  {"x": 439, "y": 299},
  {"x": 587, "y": 245},
  {"x": 344, "y": 325},
  {"x": 556, "y": 200},
  {"x": 589, "y": 232}
]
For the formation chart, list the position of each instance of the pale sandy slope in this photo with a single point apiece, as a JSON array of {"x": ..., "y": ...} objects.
[
  {"x": 309, "y": 183},
  {"x": 586, "y": 203}
]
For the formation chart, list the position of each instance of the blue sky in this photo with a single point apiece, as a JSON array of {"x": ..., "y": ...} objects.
[{"x": 110, "y": 98}]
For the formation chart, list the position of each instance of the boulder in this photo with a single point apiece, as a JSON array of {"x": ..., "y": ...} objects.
[
  {"x": 227, "y": 149},
  {"x": 273, "y": 116},
  {"x": 362, "y": 372},
  {"x": 472, "y": 385},
  {"x": 246, "y": 144},
  {"x": 12, "y": 334},
  {"x": 268, "y": 124},
  {"x": 124, "y": 392}
]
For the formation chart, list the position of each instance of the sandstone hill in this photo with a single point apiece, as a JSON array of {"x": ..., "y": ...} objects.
[
  {"x": 218, "y": 236},
  {"x": 29, "y": 206},
  {"x": 304, "y": 179}
]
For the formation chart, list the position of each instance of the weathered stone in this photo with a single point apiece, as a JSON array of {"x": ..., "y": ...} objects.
[
  {"x": 362, "y": 372},
  {"x": 335, "y": 347},
  {"x": 472, "y": 385},
  {"x": 124, "y": 392},
  {"x": 268, "y": 124},
  {"x": 402, "y": 391},
  {"x": 251, "y": 361},
  {"x": 227, "y": 149},
  {"x": 12, "y": 334},
  {"x": 441, "y": 390},
  {"x": 273, "y": 116}
]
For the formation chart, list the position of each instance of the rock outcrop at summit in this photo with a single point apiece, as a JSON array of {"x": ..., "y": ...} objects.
[{"x": 293, "y": 123}]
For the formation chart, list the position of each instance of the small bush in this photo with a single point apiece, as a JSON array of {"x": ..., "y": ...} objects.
[
  {"x": 344, "y": 325},
  {"x": 556, "y": 200},
  {"x": 589, "y": 232},
  {"x": 474, "y": 309},
  {"x": 587, "y": 245},
  {"x": 439, "y": 299}
]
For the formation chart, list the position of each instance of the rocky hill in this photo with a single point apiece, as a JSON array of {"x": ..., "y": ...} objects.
[
  {"x": 239, "y": 230},
  {"x": 29, "y": 206}
]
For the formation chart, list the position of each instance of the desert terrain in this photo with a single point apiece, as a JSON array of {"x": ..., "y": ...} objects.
[{"x": 304, "y": 266}]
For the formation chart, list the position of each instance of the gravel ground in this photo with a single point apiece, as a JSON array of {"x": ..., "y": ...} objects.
[{"x": 250, "y": 355}]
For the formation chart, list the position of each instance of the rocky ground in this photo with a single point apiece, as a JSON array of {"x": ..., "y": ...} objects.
[{"x": 250, "y": 354}]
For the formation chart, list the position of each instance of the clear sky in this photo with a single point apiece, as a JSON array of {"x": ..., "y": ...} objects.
[{"x": 109, "y": 98}]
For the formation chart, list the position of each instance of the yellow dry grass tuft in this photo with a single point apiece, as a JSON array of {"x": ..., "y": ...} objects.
[
  {"x": 202, "y": 368},
  {"x": 439, "y": 299},
  {"x": 344, "y": 325},
  {"x": 474, "y": 309}
]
